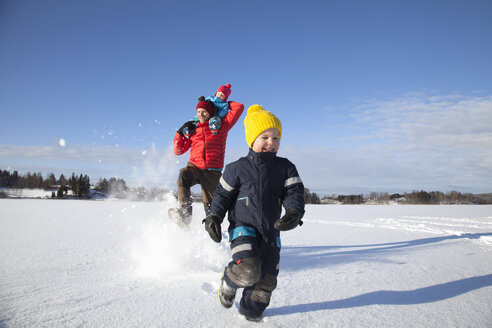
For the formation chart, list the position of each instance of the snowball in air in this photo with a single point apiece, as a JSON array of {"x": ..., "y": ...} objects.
[{"x": 62, "y": 142}]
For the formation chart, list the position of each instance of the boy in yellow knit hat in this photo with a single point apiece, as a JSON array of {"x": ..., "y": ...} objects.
[{"x": 253, "y": 190}]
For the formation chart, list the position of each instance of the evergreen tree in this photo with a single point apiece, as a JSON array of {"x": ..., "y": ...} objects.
[
  {"x": 102, "y": 186},
  {"x": 13, "y": 180},
  {"x": 423, "y": 197},
  {"x": 62, "y": 192},
  {"x": 311, "y": 197},
  {"x": 74, "y": 185},
  {"x": 87, "y": 185},
  {"x": 50, "y": 181},
  {"x": 84, "y": 186},
  {"x": 117, "y": 187},
  {"x": 62, "y": 181},
  {"x": 39, "y": 181}
]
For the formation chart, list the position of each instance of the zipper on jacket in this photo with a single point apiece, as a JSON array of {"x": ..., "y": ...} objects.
[
  {"x": 260, "y": 190},
  {"x": 204, "y": 147}
]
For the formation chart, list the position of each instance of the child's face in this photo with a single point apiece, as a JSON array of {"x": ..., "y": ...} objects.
[
  {"x": 203, "y": 115},
  {"x": 220, "y": 95},
  {"x": 268, "y": 141}
]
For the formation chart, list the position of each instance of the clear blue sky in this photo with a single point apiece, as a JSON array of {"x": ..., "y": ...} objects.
[{"x": 373, "y": 95}]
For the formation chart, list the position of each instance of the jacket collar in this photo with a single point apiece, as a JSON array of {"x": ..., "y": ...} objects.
[{"x": 260, "y": 158}]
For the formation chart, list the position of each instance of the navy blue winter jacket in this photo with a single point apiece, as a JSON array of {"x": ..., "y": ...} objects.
[{"x": 253, "y": 190}]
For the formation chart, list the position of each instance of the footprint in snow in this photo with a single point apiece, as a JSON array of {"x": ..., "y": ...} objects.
[{"x": 208, "y": 288}]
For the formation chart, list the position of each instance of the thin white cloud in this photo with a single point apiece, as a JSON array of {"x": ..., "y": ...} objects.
[
  {"x": 439, "y": 121},
  {"x": 74, "y": 153},
  {"x": 412, "y": 142}
]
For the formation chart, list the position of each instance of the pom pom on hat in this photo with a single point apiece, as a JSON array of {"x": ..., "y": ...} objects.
[
  {"x": 226, "y": 90},
  {"x": 258, "y": 120}
]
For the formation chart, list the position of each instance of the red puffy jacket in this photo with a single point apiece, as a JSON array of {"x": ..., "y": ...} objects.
[{"x": 208, "y": 150}]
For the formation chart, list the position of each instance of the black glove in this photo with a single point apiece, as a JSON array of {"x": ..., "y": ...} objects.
[
  {"x": 289, "y": 221},
  {"x": 212, "y": 225},
  {"x": 187, "y": 129}
]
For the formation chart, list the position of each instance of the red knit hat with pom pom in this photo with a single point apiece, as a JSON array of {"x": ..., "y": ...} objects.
[
  {"x": 207, "y": 106},
  {"x": 225, "y": 89}
]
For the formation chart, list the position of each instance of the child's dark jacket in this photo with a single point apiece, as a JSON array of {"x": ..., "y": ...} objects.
[{"x": 253, "y": 190}]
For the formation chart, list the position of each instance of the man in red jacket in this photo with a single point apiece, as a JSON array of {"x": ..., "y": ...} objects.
[{"x": 206, "y": 157}]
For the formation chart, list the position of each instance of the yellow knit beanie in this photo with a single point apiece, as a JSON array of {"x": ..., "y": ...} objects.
[{"x": 258, "y": 120}]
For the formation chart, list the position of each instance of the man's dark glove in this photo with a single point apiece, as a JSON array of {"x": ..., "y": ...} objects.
[
  {"x": 187, "y": 129},
  {"x": 289, "y": 221},
  {"x": 212, "y": 225}
]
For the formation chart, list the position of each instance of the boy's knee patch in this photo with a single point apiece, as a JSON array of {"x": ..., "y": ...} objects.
[
  {"x": 245, "y": 273},
  {"x": 264, "y": 288}
]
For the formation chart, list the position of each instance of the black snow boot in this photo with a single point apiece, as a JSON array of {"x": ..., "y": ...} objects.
[
  {"x": 254, "y": 319},
  {"x": 226, "y": 294}
]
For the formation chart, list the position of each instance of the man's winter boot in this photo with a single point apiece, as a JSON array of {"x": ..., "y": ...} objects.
[
  {"x": 226, "y": 294},
  {"x": 182, "y": 219}
]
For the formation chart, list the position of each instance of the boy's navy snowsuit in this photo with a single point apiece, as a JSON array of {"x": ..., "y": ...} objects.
[{"x": 253, "y": 190}]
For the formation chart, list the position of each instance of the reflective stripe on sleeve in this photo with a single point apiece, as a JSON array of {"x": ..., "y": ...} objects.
[
  {"x": 292, "y": 181},
  {"x": 225, "y": 185}
]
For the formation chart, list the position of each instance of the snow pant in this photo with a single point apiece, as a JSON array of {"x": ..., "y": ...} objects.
[
  {"x": 187, "y": 178},
  {"x": 254, "y": 267}
]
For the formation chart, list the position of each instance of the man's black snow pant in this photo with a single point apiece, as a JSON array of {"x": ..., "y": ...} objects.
[{"x": 190, "y": 176}]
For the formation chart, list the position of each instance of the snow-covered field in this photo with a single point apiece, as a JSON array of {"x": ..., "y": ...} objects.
[{"x": 67, "y": 263}]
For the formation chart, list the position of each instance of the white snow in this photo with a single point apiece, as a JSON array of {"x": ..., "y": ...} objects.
[
  {"x": 74, "y": 263},
  {"x": 27, "y": 193}
]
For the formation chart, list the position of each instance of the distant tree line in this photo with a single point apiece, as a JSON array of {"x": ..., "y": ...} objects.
[
  {"x": 414, "y": 197},
  {"x": 451, "y": 197},
  {"x": 351, "y": 199},
  {"x": 311, "y": 197},
  {"x": 80, "y": 187},
  {"x": 28, "y": 180}
]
